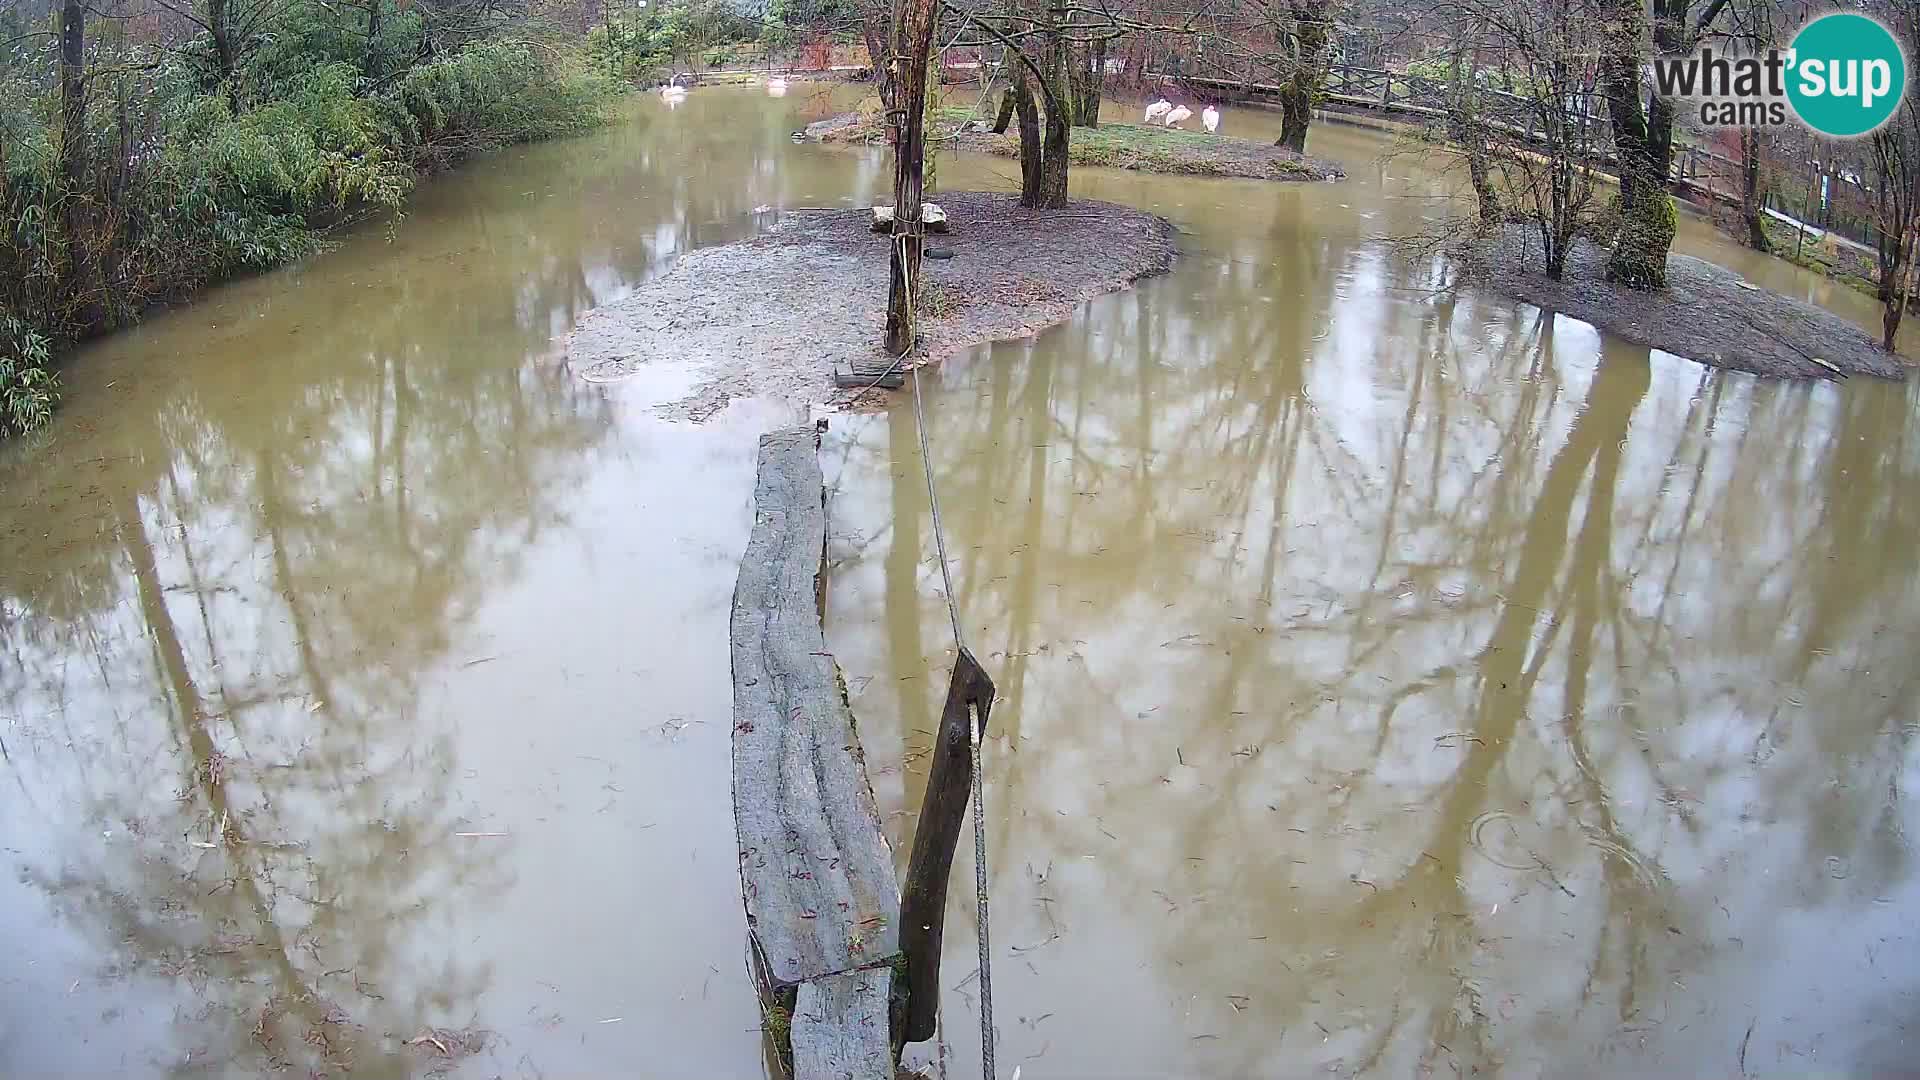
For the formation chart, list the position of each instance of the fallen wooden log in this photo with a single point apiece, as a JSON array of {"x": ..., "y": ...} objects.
[
  {"x": 840, "y": 1026},
  {"x": 815, "y": 869}
]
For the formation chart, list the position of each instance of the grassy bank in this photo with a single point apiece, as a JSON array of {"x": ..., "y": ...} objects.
[
  {"x": 1857, "y": 270},
  {"x": 188, "y": 179},
  {"x": 1143, "y": 147}
]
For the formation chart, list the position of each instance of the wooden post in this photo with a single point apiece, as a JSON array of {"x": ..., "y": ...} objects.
[
  {"x": 923, "y": 903},
  {"x": 916, "y": 19}
]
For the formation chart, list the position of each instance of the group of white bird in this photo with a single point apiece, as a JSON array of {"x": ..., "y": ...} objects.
[
  {"x": 1166, "y": 112},
  {"x": 673, "y": 93}
]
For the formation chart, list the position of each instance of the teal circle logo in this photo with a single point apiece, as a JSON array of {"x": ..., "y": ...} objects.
[{"x": 1846, "y": 74}]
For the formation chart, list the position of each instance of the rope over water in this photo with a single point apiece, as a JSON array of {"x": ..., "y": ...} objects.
[{"x": 977, "y": 735}]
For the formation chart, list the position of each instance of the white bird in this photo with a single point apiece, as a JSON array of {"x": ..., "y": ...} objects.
[
  {"x": 1158, "y": 110},
  {"x": 776, "y": 86},
  {"x": 1210, "y": 119},
  {"x": 1179, "y": 113},
  {"x": 673, "y": 90}
]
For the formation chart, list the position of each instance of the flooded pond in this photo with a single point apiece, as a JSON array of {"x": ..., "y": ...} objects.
[{"x": 1393, "y": 683}]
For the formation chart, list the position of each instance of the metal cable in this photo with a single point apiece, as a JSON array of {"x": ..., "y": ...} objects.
[
  {"x": 980, "y": 887},
  {"x": 933, "y": 504},
  {"x": 976, "y": 736}
]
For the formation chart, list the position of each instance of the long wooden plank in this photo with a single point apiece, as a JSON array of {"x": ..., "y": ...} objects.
[
  {"x": 818, "y": 877},
  {"x": 840, "y": 1027}
]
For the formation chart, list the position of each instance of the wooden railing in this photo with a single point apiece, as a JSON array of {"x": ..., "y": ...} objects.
[{"x": 1382, "y": 90}]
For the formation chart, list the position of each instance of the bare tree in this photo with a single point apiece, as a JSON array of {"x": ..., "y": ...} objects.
[
  {"x": 1896, "y": 188},
  {"x": 1534, "y": 156},
  {"x": 1752, "y": 191}
]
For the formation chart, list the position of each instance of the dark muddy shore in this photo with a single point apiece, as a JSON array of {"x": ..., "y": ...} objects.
[
  {"x": 1140, "y": 147},
  {"x": 772, "y": 315},
  {"x": 1706, "y": 313}
]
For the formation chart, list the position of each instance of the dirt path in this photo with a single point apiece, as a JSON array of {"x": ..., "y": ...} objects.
[
  {"x": 1707, "y": 313},
  {"x": 771, "y": 316}
]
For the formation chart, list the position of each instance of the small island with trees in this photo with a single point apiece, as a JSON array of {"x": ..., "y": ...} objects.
[{"x": 153, "y": 148}]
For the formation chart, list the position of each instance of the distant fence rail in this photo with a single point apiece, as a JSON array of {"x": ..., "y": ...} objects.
[{"x": 1695, "y": 169}]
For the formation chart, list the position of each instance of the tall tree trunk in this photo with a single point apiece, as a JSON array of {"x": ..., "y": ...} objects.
[
  {"x": 1894, "y": 256},
  {"x": 1096, "y": 86},
  {"x": 1895, "y": 250},
  {"x": 915, "y": 30},
  {"x": 370, "y": 66},
  {"x": 1647, "y": 221},
  {"x": 930, "y": 157},
  {"x": 1053, "y": 157},
  {"x": 1030, "y": 149},
  {"x": 1076, "y": 82},
  {"x": 73, "y": 98},
  {"x": 225, "y": 62},
  {"x": 1005, "y": 115},
  {"x": 1751, "y": 193},
  {"x": 76, "y": 194},
  {"x": 1464, "y": 128},
  {"x": 1303, "y": 83},
  {"x": 1083, "y": 83},
  {"x": 1643, "y": 134},
  {"x": 880, "y": 55}
]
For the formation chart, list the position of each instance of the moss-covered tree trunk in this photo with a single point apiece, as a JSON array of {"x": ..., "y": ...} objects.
[
  {"x": 1643, "y": 133},
  {"x": 1302, "y": 85},
  {"x": 1647, "y": 221}
]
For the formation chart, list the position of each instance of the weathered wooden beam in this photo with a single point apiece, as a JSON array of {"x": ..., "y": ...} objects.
[
  {"x": 821, "y": 895},
  {"x": 839, "y": 1027},
  {"x": 923, "y": 905},
  {"x": 865, "y": 373}
]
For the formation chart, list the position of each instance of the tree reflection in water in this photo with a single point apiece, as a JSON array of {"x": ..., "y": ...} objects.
[{"x": 1405, "y": 683}]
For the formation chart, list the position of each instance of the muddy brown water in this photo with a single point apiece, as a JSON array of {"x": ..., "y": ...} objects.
[{"x": 1393, "y": 684}]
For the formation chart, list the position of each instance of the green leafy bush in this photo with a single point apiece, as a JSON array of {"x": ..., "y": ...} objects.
[
  {"x": 196, "y": 186},
  {"x": 28, "y": 388},
  {"x": 486, "y": 97}
]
